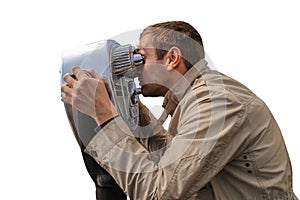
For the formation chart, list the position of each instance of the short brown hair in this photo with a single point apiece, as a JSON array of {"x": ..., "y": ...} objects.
[{"x": 176, "y": 33}]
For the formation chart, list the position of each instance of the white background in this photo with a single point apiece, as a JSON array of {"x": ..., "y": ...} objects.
[{"x": 256, "y": 42}]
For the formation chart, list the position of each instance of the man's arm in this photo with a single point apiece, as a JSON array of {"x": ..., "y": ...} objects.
[
  {"x": 152, "y": 136},
  {"x": 194, "y": 156}
]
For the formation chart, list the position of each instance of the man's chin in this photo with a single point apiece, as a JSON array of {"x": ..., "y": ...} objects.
[
  {"x": 148, "y": 94},
  {"x": 149, "y": 91}
]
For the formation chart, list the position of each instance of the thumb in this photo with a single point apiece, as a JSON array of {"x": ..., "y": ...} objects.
[
  {"x": 83, "y": 73},
  {"x": 92, "y": 73}
]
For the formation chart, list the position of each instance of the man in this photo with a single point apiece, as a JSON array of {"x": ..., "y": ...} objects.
[{"x": 222, "y": 141}]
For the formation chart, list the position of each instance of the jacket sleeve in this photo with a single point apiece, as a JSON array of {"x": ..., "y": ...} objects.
[
  {"x": 152, "y": 136},
  {"x": 197, "y": 152}
]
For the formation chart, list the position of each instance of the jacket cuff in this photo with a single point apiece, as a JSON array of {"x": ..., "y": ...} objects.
[
  {"x": 107, "y": 138},
  {"x": 97, "y": 129}
]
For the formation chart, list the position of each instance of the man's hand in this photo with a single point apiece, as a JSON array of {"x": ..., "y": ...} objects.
[{"x": 86, "y": 91}]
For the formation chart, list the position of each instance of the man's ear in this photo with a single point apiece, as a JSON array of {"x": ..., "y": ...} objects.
[{"x": 174, "y": 57}]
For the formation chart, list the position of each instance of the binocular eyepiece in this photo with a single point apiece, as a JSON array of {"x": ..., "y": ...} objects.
[
  {"x": 124, "y": 59},
  {"x": 107, "y": 58}
]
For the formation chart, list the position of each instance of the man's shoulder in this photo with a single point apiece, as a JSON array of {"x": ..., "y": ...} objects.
[{"x": 215, "y": 84}]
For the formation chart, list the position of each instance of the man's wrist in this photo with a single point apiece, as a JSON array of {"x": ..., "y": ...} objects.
[
  {"x": 105, "y": 114},
  {"x": 100, "y": 126}
]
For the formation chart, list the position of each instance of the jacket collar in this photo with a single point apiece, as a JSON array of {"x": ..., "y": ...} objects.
[{"x": 179, "y": 89}]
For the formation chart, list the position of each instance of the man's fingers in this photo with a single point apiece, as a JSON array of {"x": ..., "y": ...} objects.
[
  {"x": 68, "y": 99},
  {"x": 69, "y": 79},
  {"x": 65, "y": 88},
  {"x": 80, "y": 74},
  {"x": 92, "y": 73},
  {"x": 84, "y": 73},
  {"x": 75, "y": 69}
]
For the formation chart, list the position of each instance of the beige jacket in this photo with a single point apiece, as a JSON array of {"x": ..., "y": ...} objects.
[{"x": 222, "y": 143}]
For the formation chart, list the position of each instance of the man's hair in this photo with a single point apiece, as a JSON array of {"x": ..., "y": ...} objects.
[{"x": 179, "y": 34}]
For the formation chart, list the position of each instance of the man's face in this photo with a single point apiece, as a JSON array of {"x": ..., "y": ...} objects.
[{"x": 153, "y": 76}]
